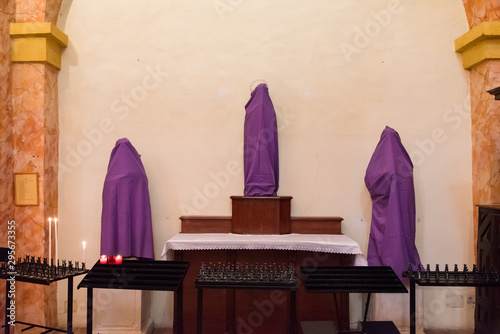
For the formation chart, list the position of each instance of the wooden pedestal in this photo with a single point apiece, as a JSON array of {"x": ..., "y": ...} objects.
[{"x": 261, "y": 215}]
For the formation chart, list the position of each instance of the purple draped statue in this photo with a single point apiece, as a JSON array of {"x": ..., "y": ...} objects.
[
  {"x": 261, "y": 165},
  {"x": 126, "y": 227},
  {"x": 389, "y": 179}
]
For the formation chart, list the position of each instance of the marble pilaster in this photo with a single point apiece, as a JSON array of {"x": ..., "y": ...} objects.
[
  {"x": 485, "y": 114},
  {"x": 35, "y": 141},
  {"x": 29, "y": 143},
  {"x": 478, "y": 11},
  {"x": 7, "y": 9},
  {"x": 485, "y": 111}
]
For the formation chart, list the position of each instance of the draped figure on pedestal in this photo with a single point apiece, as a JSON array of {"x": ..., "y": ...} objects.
[
  {"x": 126, "y": 226},
  {"x": 389, "y": 179},
  {"x": 261, "y": 163}
]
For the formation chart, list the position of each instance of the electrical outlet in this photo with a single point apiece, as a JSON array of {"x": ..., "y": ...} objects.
[{"x": 454, "y": 301}]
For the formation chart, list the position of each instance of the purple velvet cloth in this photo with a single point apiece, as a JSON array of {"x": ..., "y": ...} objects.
[
  {"x": 389, "y": 179},
  {"x": 261, "y": 164},
  {"x": 126, "y": 226}
]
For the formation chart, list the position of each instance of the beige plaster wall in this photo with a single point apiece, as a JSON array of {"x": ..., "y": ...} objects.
[{"x": 173, "y": 76}]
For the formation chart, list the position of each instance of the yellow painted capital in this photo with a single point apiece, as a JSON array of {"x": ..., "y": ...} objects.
[
  {"x": 479, "y": 44},
  {"x": 37, "y": 42}
]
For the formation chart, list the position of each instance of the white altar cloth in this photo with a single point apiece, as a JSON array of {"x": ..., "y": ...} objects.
[{"x": 326, "y": 243}]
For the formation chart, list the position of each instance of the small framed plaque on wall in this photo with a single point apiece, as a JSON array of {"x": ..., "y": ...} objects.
[{"x": 26, "y": 189}]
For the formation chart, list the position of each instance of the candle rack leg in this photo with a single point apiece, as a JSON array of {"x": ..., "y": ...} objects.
[
  {"x": 412, "y": 308},
  {"x": 89, "y": 310},
  {"x": 69, "y": 315},
  {"x": 7, "y": 303}
]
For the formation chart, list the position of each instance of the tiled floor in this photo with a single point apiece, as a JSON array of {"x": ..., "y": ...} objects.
[
  {"x": 156, "y": 331},
  {"x": 448, "y": 332},
  {"x": 169, "y": 331}
]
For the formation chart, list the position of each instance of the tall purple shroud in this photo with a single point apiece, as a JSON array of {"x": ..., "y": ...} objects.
[
  {"x": 389, "y": 179},
  {"x": 261, "y": 160},
  {"x": 126, "y": 226}
]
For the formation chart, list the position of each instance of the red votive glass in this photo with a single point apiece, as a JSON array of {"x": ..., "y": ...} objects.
[{"x": 114, "y": 259}]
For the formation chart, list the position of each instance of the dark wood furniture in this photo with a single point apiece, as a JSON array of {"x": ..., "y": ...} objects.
[
  {"x": 225, "y": 310},
  {"x": 137, "y": 275},
  {"x": 487, "y": 312},
  {"x": 495, "y": 92},
  {"x": 223, "y": 224},
  {"x": 327, "y": 279},
  {"x": 261, "y": 215}
]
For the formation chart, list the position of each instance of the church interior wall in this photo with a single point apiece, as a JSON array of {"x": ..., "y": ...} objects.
[{"x": 174, "y": 77}]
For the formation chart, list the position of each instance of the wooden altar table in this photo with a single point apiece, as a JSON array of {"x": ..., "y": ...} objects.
[{"x": 233, "y": 311}]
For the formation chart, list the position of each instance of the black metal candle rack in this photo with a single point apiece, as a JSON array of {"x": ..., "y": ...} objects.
[
  {"x": 455, "y": 277},
  {"x": 341, "y": 279},
  {"x": 484, "y": 277},
  {"x": 236, "y": 276},
  {"x": 137, "y": 275},
  {"x": 252, "y": 276},
  {"x": 38, "y": 271}
]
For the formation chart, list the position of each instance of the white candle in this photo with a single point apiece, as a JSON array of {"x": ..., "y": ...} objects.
[
  {"x": 50, "y": 240},
  {"x": 84, "y": 244},
  {"x": 55, "y": 232}
]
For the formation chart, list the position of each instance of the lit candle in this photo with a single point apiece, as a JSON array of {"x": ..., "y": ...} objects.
[
  {"x": 118, "y": 259},
  {"x": 55, "y": 232},
  {"x": 50, "y": 240},
  {"x": 103, "y": 259},
  {"x": 84, "y": 244}
]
